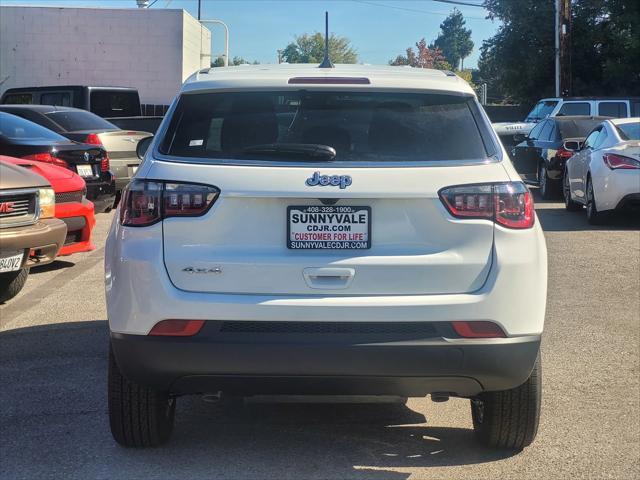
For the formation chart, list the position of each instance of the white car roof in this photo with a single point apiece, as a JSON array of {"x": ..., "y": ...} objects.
[
  {"x": 269, "y": 77},
  {"x": 624, "y": 121}
]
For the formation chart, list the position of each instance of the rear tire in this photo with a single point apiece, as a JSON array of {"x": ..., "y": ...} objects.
[
  {"x": 548, "y": 187},
  {"x": 569, "y": 204},
  {"x": 11, "y": 283},
  {"x": 509, "y": 419},
  {"x": 138, "y": 416},
  {"x": 594, "y": 217}
]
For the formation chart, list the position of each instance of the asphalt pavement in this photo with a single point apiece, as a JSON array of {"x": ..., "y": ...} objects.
[{"x": 53, "y": 411}]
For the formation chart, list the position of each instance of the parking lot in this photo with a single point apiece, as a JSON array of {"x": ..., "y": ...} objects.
[{"x": 53, "y": 345}]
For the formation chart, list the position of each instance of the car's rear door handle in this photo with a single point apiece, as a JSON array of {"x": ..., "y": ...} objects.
[{"x": 328, "y": 278}]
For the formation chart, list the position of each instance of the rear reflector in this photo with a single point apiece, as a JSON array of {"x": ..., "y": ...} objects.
[
  {"x": 480, "y": 329},
  {"x": 176, "y": 328},
  {"x": 330, "y": 80}
]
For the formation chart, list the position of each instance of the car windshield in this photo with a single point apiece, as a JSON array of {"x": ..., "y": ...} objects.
[
  {"x": 629, "y": 131},
  {"x": 73, "y": 121},
  {"x": 16, "y": 128},
  {"x": 359, "y": 126},
  {"x": 541, "y": 111}
]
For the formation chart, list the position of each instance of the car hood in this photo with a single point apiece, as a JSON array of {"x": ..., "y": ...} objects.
[
  {"x": 512, "y": 128},
  {"x": 61, "y": 179},
  {"x": 13, "y": 176}
]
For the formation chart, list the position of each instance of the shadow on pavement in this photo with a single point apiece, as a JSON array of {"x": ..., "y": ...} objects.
[
  {"x": 49, "y": 267},
  {"x": 554, "y": 218},
  {"x": 53, "y": 423}
]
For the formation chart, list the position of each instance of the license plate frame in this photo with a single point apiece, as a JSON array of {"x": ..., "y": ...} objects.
[
  {"x": 338, "y": 240},
  {"x": 11, "y": 261},
  {"x": 85, "y": 170}
]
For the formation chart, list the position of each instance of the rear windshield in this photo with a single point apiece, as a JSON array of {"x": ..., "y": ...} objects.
[
  {"x": 577, "y": 128},
  {"x": 73, "y": 121},
  {"x": 629, "y": 131},
  {"x": 17, "y": 128},
  {"x": 115, "y": 103},
  {"x": 360, "y": 126}
]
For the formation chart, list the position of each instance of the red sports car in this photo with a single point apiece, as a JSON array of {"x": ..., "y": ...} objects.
[{"x": 72, "y": 207}]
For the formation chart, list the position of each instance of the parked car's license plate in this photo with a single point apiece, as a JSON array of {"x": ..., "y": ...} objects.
[
  {"x": 10, "y": 263},
  {"x": 85, "y": 170},
  {"x": 328, "y": 227}
]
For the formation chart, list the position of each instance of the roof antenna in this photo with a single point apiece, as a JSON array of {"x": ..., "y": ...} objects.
[{"x": 326, "y": 62}]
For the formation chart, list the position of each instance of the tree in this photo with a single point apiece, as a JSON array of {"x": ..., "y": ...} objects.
[
  {"x": 454, "y": 40},
  {"x": 219, "y": 62},
  {"x": 310, "y": 49},
  {"x": 518, "y": 62},
  {"x": 425, "y": 57}
]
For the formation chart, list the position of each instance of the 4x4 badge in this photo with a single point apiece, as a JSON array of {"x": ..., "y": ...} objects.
[{"x": 342, "y": 181}]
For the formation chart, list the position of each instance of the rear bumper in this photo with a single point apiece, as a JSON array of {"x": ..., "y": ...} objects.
[
  {"x": 102, "y": 193},
  {"x": 324, "y": 363},
  {"x": 45, "y": 237},
  {"x": 123, "y": 168},
  {"x": 615, "y": 189},
  {"x": 629, "y": 202}
]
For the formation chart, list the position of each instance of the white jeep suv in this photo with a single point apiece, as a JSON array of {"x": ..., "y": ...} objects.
[{"x": 353, "y": 230}]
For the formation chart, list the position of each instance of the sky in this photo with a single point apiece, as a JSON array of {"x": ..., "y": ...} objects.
[{"x": 379, "y": 30}]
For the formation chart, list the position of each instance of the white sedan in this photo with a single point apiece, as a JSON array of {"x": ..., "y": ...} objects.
[{"x": 604, "y": 175}]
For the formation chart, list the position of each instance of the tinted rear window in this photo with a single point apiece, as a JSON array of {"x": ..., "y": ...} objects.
[
  {"x": 73, "y": 121},
  {"x": 16, "y": 128},
  {"x": 577, "y": 128},
  {"x": 115, "y": 104},
  {"x": 62, "y": 99},
  {"x": 360, "y": 126},
  {"x": 18, "y": 99}
]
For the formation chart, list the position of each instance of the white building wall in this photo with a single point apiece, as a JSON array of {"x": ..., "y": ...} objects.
[
  {"x": 196, "y": 46},
  {"x": 149, "y": 49}
]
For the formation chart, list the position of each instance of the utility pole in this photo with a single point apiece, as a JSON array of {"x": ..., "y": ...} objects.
[
  {"x": 199, "y": 8},
  {"x": 563, "y": 48}
]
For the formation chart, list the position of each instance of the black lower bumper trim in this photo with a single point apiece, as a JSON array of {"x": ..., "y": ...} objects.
[
  {"x": 629, "y": 202},
  {"x": 408, "y": 364}
]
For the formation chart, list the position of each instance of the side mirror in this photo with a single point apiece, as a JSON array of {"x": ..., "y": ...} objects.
[
  {"x": 572, "y": 145},
  {"x": 519, "y": 137},
  {"x": 142, "y": 146}
]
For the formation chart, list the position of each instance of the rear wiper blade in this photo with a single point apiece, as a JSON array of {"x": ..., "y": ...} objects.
[{"x": 294, "y": 151}]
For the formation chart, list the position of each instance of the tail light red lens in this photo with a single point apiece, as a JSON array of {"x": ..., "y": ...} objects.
[
  {"x": 147, "y": 202},
  {"x": 48, "y": 158},
  {"x": 93, "y": 139},
  {"x": 620, "y": 162},
  {"x": 479, "y": 329},
  {"x": 508, "y": 204},
  {"x": 564, "y": 154},
  {"x": 104, "y": 163},
  {"x": 177, "y": 328}
]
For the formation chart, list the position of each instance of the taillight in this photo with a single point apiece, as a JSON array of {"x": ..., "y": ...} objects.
[
  {"x": 478, "y": 329},
  {"x": 93, "y": 139},
  {"x": 48, "y": 158},
  {"x": 564, "y": 153},
  {"x": 177, "y": 328},
  {"x": 147, "y": 202},
  {"x": 508, "y": 204},
  {"x": 620, "y": 162},
  {"x": 104, "y": 163}
]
